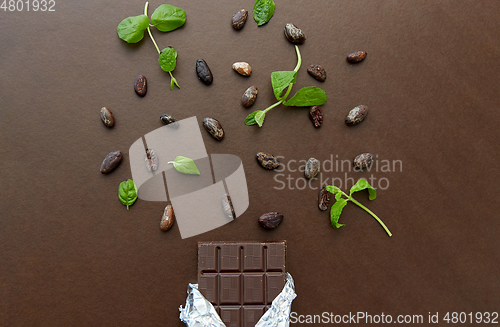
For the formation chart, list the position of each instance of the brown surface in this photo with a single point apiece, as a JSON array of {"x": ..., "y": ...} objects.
[
  {"x": 71, "y": 254},
  {"x": 241, "y": 280}
]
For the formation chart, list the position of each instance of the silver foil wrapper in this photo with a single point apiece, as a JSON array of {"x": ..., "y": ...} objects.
[
  {"x": 200, "y": 313},
  {"x": 279, "y": 313}
]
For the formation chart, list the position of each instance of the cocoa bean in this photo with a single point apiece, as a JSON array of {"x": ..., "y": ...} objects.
[
  {"x": 107, "y": 117},
  {"x": 323, "y": 199},
  {"x": 267, "y": 160},
  {"x": 356, "y": 57},
  {"x": 243, "y": 68},
  {"x": 249, "y": 97},
  {"x": 363, "y": 160},
  {"x": 239, "y": 19},
  {"x": 203, "y": 71},
  {"x": 317, "y": 72},
  {"x": 214, "y": 127},
  {"x": 316, "y": 116},
  {"x": 111, "y": 161},
  {"x": 270, "y": 220},
  {"x": 294, "y": 34},
  {"x": 312, "y": 168},
  {"x": 168, "y": 218},
  {"x": 141, "y": 85},
  {"x": 356, "y": 115}
]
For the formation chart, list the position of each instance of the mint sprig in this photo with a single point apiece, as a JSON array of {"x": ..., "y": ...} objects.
[
  {"x": 281, "y": 80},
  {"x": 341, "y": 202},
  {"x": 165, "y": 18}
]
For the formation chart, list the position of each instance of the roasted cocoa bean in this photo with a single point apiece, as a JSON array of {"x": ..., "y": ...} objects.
[
  {"x": 316, "y": 116},
  {"x": 317, "y": 72},
  {"x": 239, "y": 19},
  {"x": 363, "y": 160},
  {"x": 294, "y": 34},
  {"x": 356, "y": 115},
  {"x": 243, "y": 68},
  {"x": 270, "y": 220},
  {"x": 167, "y": 119},
  {"x": 168, "y": 218},
  {"x": 249, "y": 97},
  {"x": 151, "y": 160},
  {"x": 312, "y": 168},
  {"x": 107, "y": 117},
  {"x": 111, "y": 161},
  {"x": 356, "y": 56},
  {"x": 203, "y": 72},
  {"x": 323, "y": 199},
  {"x": 141, "y": 85},
  {"x": 227, "y": 206},
  {"x": 213, "y": 126},
  {"x": 267, "y": 160}
]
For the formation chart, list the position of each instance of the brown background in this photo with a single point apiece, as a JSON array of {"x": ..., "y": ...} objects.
[{"x": 71, "y": 254}]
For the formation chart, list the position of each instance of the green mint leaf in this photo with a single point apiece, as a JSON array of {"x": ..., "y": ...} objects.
[
  {"x": 280, "y": 81},
  {"x": 307, "y": 96},
  {"x": 338, "y": 196},
  {"x": 131, "y": 29},
  {"x": 336, "y": 211},
  {"x": 259, "y": 117},
  {"x": 185, "y": 165},
  {"x": 250, "y": 120},
  {"x": 168, "y": 59},
  {"x": 127, "y": 192},
  {"x": 333, "y": 189},
  {"x": 363, "y": 184},
  {"x": 167, "y": 18},
  {"x": 263, "y": 10}
]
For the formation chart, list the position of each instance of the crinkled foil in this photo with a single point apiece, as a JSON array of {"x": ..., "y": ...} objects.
[
  {"x": 200, "y": 313},
  {"x": 279, "y": 313}
]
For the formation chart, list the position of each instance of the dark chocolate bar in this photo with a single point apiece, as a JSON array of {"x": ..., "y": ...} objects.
[{"x": 241, "y": 280}]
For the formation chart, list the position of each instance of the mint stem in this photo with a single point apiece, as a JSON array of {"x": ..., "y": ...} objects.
[
  {"x": 149, "y": 30},
  {"x": 272, "y": 106},
  {"x": 299, "y": 59},
  {"x": 174, "y": 80},
  {"x": 370, "y": 212}
]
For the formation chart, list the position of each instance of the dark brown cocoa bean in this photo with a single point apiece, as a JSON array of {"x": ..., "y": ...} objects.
[
  {"x": 151, "y": 160},
  {"x": 243, "y": 68},
  {"x": 356, "y": 115},
  {"x": 227, "y": 206},
  {"x": 324, "y": 199},
  {"x": 213, "y": 127},
  {"x": 249, "y": 97},
  {"x": 141, "y": 85},
  {"x": 356, "y": 56},
  {"x": 168, "y": 218},
  {"x": 317, "y": 72},
  {"x": 363, "y": 160},
  {"x": 270, "y": 220},
  {"x": 111, "y": 161},
  {"x": 203, "y": 72},
  {"x": 239, "y": 19},
  {"x": 107, "y": 117},
  {"x": 312, "y": 168},
  {"x": 294, "y": 34},
  {"x": 316, "y": 116},
  {"x": 267, "y": 160},
  {"x": 167, "y": 119}
]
